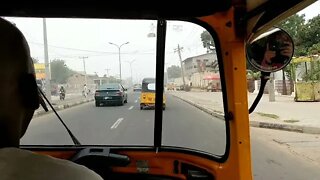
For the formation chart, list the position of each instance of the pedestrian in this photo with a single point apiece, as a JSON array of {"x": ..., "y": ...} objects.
[{"x": 85, "y": 91}]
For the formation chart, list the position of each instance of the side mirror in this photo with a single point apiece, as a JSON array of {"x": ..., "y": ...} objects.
[{"x": 271, "y": 51}]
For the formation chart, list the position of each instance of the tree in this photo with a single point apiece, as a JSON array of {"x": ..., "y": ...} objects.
[
  {"x": 306, "y": 36},
  {"x": 315, "y": 48},
  {"x": 174, "y": 71},
  {"x": 311, "y": 36},
  {"x": 59, "y": 71},
  {"x": 207, "y": 41},
  {"x": 295, "y": 26},
  {"x": 35, "y": 60}
]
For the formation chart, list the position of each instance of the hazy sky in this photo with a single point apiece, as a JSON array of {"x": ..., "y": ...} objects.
[
  {"x": 70, "y": 39},
  {"x": 311, "y": 11}
]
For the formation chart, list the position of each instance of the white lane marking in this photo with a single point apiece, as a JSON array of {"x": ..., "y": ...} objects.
[
  {"x": 115, "y": 125},
  {"x": 136, "y": 101},
  {"x": 130, "y": 107}
]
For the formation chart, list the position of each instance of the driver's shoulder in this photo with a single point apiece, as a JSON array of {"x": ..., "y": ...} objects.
[{"x": 25, "y": 162}]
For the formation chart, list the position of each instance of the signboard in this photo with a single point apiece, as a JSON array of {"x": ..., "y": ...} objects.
[{"x": 40, "y": 70}]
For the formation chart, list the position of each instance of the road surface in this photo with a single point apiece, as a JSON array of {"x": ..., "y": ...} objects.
[{"x": 183, "y": 126}]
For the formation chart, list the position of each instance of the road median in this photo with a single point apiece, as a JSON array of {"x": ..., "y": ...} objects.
[{"x": 41, "y": 111}]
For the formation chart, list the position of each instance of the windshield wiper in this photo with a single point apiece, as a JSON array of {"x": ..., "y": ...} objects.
[{"x": 43, "y": 104}]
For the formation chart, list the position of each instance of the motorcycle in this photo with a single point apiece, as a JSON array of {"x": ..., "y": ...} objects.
[{"x": 62, "y": 95}]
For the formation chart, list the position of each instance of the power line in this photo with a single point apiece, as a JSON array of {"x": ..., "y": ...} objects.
[
  {"x": 100, "y": 52},
  {"x": 75, "y": 49}
]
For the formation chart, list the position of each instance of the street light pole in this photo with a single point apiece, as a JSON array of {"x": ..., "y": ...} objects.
[
  {"x": 119, "y": 48},
  {"x": 130, "y": 62}
]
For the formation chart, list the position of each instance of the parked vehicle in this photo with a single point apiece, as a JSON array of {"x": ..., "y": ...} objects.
[
  {"x": 170, "y": 86},
  {"x": 213, "y": 87}
]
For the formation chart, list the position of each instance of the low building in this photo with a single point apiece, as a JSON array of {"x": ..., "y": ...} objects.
[
  {"x": 77, "y": 81},
  {"x": 196, "y": 68},
  {"x": 203, "y": 63}
]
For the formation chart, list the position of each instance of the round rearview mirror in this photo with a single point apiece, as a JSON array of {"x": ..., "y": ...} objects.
[{"x": 271, "y": 51}]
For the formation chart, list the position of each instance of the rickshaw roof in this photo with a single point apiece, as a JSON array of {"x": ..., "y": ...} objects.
[
  {"x": 256, "y": 15},
  {"x": 148, "y": 80}
]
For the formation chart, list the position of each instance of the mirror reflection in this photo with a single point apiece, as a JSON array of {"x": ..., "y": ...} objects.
[{"x": 271, "y": 51}]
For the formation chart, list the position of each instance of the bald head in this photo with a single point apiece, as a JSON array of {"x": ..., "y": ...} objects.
[
  {"x": 18, "y": 92},
  {"x": 14, "y": 50}
]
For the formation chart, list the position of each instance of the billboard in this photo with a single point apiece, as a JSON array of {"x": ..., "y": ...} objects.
[{"x": 40, "y": 70}]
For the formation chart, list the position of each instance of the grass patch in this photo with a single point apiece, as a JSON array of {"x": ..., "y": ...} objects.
[
  {"x": 291, "y": 121},
  {"x": 273, "y": 116}
]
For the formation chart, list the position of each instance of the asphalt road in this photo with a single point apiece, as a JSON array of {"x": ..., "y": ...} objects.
[
  {"x": 183, "y": 126},
  {"x": 274, "y": 161}
]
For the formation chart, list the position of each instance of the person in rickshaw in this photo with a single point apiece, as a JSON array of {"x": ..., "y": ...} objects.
[{"x": 18, "y": 102}]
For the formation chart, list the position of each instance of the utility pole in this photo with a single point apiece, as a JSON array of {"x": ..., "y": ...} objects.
[
  {"x": 130, "y": 62},
  {"x": 272, "y": 96},
  {"x": 107, "y": 75},
  {"x": 179, "y": 49},
  {"x": 84, "y": 68},
  {"x": 167, "y": 76},
  {"x": 46, "y": 61}
]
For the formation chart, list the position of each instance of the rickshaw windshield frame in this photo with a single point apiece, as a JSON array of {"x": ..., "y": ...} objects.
[{"x": 160, "y": 61}]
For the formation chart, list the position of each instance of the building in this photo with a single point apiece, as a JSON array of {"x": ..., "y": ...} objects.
[
  {"x": 196, "y": 68},
  {"x": 77, "y": 80},
  {"x": 203, "y": 63}
]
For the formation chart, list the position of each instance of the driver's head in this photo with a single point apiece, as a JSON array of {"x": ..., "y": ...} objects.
[{"x": 18, "y": 93}]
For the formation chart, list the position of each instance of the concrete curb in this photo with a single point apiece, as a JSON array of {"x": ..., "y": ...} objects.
[
  {"x": 268, "y": 125},
  {"x": 61, "y": 107},
  {"x": 286, "y": 127},
  {"x": 204, "y": 109}
]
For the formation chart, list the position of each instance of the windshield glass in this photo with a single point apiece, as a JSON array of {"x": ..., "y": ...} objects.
[
  {"x": 108, "y": 74},
  {"x": 194, "y": 115},
  {"x": 152, "y": 87}
]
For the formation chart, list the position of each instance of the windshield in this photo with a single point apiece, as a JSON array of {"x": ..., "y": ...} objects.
[
  {"x": 151, "y": 87},
  {"x": 102, "y": 65}
]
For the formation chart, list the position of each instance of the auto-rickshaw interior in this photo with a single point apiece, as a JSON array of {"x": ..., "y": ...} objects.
[{"x": 125, "y": 142}]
